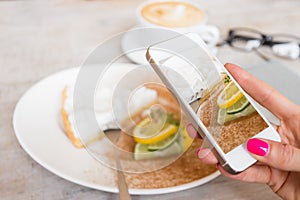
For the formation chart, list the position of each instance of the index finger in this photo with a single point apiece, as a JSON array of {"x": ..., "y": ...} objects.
[{"x": 263, "y": 93}]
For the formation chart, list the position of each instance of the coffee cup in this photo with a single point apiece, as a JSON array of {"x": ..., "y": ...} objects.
[{"x": 178, "y": 15}]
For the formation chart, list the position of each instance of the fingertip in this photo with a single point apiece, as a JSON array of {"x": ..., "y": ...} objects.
[
  {"x": 258, "y": 147},
  {"x": 228, "y": 65},
  {"x": 275, "y": 154},
  {"x": 191, "y": 131},
  {"x": 206, "y": 156},
  {"x": 231, "y": 67}
]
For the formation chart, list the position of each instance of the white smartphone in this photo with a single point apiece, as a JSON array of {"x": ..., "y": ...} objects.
[{"x": 211, "y": 99}]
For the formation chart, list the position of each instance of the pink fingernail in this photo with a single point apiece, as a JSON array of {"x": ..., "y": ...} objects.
[
  {"x": 189, "y": 128},
  {"x": 257, "y": 147},
  {"x": 198, "y": 150},
  {"x": 202, "y": 152}
]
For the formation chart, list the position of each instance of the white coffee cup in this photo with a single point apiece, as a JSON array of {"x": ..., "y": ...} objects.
[{"x": 178, "y": 15}]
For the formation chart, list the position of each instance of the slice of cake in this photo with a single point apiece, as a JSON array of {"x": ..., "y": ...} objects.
[
  {"x": 103, "y": 110},
  {"x": 68, "y": 117}
]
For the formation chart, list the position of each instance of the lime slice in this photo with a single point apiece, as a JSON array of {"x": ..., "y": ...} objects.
[
  {"x": 229, "y": 96},
  {"x": 224, "y": 117},
  {"x": 247, "y": 111},
  {"x": 147, "y": 134},
  {"x": 163, "y": 143},
  {"x": 238, "y": 106},
  {"x": 141, "y": 151}
]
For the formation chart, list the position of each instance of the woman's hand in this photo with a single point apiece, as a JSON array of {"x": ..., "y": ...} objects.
[{"x": 279, "y": 163}]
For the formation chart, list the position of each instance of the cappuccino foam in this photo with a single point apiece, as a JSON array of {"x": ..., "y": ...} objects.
[{"x": 172, "y": 14}]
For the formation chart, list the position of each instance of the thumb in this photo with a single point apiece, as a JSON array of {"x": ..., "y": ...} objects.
[{"x": 281, "y": 156}]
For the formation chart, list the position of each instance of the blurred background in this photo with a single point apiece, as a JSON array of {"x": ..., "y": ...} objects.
[{"x": 38, "y": 38}]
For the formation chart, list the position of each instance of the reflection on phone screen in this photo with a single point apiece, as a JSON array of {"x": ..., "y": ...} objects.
[{"x": 229, "y": 116}]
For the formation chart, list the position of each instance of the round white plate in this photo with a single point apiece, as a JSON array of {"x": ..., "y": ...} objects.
[
  {"x": 135, "y": 42},
  {"x": 37, "y": 128}
]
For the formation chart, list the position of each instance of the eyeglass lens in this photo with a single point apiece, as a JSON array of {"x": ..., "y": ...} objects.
[
  {"x": 245, "y": 40},
  {"x": 281, "y": 45}
]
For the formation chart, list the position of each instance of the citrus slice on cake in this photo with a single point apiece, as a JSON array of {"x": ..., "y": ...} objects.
[
  {"x": 146, "y": 132},
  {"x": 224, "y": 117},
  {"x": 141, "y": 151},
  {"x": 229, "y": 96},
  {"x": 163, "y": 143},
  {"x": 240, "y": 105}
]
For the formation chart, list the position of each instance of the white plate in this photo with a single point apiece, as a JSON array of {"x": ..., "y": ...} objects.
[{"x": 36, "y": 126}]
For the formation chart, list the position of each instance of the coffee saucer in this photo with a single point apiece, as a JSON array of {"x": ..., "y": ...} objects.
[
  {"x": 134, "y": 45},
  {"x": 135, "y": 42}
]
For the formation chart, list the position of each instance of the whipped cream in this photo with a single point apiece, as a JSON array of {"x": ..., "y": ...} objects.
[
  {"x": 141, "y": 98},
  {"x": 103, "y": 99}
]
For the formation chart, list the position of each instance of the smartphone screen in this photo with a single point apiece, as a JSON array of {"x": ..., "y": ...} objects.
[
  {"x": 223, "y": 110},
  {"x": 229, "y": 116}
]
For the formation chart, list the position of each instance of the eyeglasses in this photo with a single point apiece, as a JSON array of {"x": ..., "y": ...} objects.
[{"x": 247, "y": 40}]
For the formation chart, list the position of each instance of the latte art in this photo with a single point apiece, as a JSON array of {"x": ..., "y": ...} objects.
[{"x": 172, "y": 14}]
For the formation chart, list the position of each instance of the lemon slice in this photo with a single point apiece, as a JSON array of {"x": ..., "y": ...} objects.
[
  {"x": 240, "y": 105},
  {"x": 146, "y": 132},
  {"x": 148, "y": 129},
  {"x": 229, "y": 96}
]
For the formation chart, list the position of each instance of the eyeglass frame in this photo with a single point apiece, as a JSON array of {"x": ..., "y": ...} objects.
[{"x": 266, "y": 39}]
